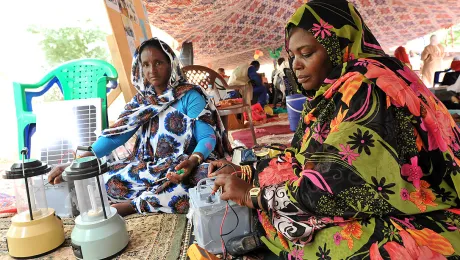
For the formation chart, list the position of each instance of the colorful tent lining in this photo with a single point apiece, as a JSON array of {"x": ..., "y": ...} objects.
[{"x": 226, "y": 33}]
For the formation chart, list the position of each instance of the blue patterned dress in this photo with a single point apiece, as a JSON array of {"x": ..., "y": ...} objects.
[
  {"x": 163, "y": 135},
  {"x": 170, "y": 136}
]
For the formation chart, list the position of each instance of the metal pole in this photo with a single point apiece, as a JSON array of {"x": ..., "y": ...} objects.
[
  {"x": 89, "y": 148},
  {"x": 100, "y": 194},
  {"x": 24, "y": 152},
  {"x": 99, "y": 184}
]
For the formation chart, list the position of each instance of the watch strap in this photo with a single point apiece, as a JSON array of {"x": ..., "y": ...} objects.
[{"x": 254, "y": 194}]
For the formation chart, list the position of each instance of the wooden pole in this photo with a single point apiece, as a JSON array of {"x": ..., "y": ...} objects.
[
  {"x": 113, "y": 95},
  {"x": 124, "y": 82},
  {"x": 119, "y": 43}
]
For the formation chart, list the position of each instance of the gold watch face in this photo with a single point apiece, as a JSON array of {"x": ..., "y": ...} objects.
[{"x": 254, "y": 191}]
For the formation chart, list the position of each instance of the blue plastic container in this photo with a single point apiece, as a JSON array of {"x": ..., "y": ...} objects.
[{"x": 294, "y": 105}]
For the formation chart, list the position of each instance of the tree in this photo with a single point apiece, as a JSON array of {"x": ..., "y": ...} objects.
[
  {"x": 68, "y": 43},
  {"x": 456, "y": 36}
]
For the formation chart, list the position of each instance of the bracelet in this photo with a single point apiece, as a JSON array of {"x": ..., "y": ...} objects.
[
  {"x": 200, "y": 160},
  {"x": 246, "y": 173}
]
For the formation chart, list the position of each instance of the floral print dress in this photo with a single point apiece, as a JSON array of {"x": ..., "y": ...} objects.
[
  {"x": 163, "y": 136},
  {"x": 135, "y": 180},
  {"x": 376, "y": 157}
]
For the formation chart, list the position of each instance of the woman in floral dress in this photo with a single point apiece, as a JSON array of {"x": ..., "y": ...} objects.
[
  {"x": 373, "y": 172},
  {"x": 176, "y": 128}
]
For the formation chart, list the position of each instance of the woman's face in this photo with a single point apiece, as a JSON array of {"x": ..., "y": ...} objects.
[
  {"x": 155, "y": 66},
  {"x": 310, "y": 63}
]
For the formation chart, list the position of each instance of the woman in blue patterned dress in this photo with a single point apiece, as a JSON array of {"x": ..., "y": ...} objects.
[{"x": 176, "y": 128}]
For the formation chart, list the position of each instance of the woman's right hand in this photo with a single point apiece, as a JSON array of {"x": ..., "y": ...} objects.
[
  {"x": 222, "y": 167},
  {"x": 55, "y": 175}
]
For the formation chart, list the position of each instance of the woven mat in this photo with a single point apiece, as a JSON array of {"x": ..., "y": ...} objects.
[
  {"x": 7, "y": 203},
  {"x": 273, "y": 132},
  {"x": 152, "y": 236}
]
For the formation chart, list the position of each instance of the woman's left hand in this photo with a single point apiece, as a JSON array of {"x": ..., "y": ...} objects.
[
  {"x": 124, "y": 208},
  {"x": 187, "y": 166},
  {"x": 235, "y": 189}
]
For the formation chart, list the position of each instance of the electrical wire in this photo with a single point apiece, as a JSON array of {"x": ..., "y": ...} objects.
[
  {"x": 225, "y": 165},
  {"x": 237, "y": 220},
  {"x": 224, "y": 248}
]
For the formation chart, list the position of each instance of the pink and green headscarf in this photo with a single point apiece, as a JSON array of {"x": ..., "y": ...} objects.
[{"x": 337, "y": 26}]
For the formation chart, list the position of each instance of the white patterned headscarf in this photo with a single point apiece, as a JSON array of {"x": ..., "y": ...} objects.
[
  {"x": 137, "y": 77},
  {"x": 146, "y": 104}
]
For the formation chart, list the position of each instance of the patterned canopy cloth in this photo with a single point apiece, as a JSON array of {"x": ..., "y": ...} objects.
[
  {"x": 223, "y": 31},
  {"x": 376, "y": 157},
  {"x": 163, "y": 137}
]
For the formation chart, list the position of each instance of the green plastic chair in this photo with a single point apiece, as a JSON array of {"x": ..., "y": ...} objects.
[{"x": 77, "y": 79}]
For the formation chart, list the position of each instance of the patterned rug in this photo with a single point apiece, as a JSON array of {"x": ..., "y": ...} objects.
[
  {"x": 152, "y": 236},
  {"x": 7, "y": 203},
  {"x": 273, "y": 132}
]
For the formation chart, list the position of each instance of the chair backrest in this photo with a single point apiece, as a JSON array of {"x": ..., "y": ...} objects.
[
  {"x": 437, "y": 76},
  {"x": 77, "y": 79},
  {"x": 87, "y": 78},
  {"x": 204, "y": 77}
]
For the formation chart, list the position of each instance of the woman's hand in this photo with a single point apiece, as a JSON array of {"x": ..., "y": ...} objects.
[
  {"x": 187, "y": 166},
  {"x": 235, "y": 189},
  {"x": 124, "y": 208},
  {"x": 55, "y": 175},
  {"x": 222, "y": 167}
]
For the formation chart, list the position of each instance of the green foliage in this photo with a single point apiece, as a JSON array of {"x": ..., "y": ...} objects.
[
  {"x": 68, "y": 43},
  {"x": 275, "y": 53},
  {"x": 456, "y": 34}
]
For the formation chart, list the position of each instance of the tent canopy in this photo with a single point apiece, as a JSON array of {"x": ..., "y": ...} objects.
[{"x": 226, "y": 33}]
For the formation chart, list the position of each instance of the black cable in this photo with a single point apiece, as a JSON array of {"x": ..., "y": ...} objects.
[
  {"x": 237, "y": 221},
  {"x": 234, "y": 169},
  {"x": 226, "y": 234},
  {"x": 234, "y": 212}
]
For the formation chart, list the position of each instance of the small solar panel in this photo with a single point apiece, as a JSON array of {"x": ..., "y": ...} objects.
[{"x": 64, "y": 125}]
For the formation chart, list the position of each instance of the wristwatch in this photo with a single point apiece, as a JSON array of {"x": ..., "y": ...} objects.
[{"x": 254, "y": 194}]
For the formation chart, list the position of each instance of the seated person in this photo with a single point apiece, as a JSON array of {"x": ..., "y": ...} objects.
[
  {"x": 401, "y": 54},
  {"x": 259, "y": 90},
  {"x": 449, "y": 98},
  {"x": 374, "y": 167},
  {"x": 223, "y": 93},
  {"x": 450, "y": 86},
  {"x": 451, "y": 78},
  {"x": 176, "y": 128},
  {"x": 221, "y": 72},
  {"x": 278, "y": 79}
]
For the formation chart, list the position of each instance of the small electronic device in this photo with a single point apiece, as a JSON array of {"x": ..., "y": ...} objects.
[
  {"x": 179, "y": 172},
  {"x": 99, "y": 232},
  {"x": 80, "y": 122},
  {"x": 208, "y": 210},
  {"x": 195, "y": 252},
  {"x": 35, "y": 230}
]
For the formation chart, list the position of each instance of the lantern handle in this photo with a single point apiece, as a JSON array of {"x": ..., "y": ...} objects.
[
  {"x": 85, "y": 148},
  {"x": 24, "y": 153},
  {"x": 90, "y": 149}
]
